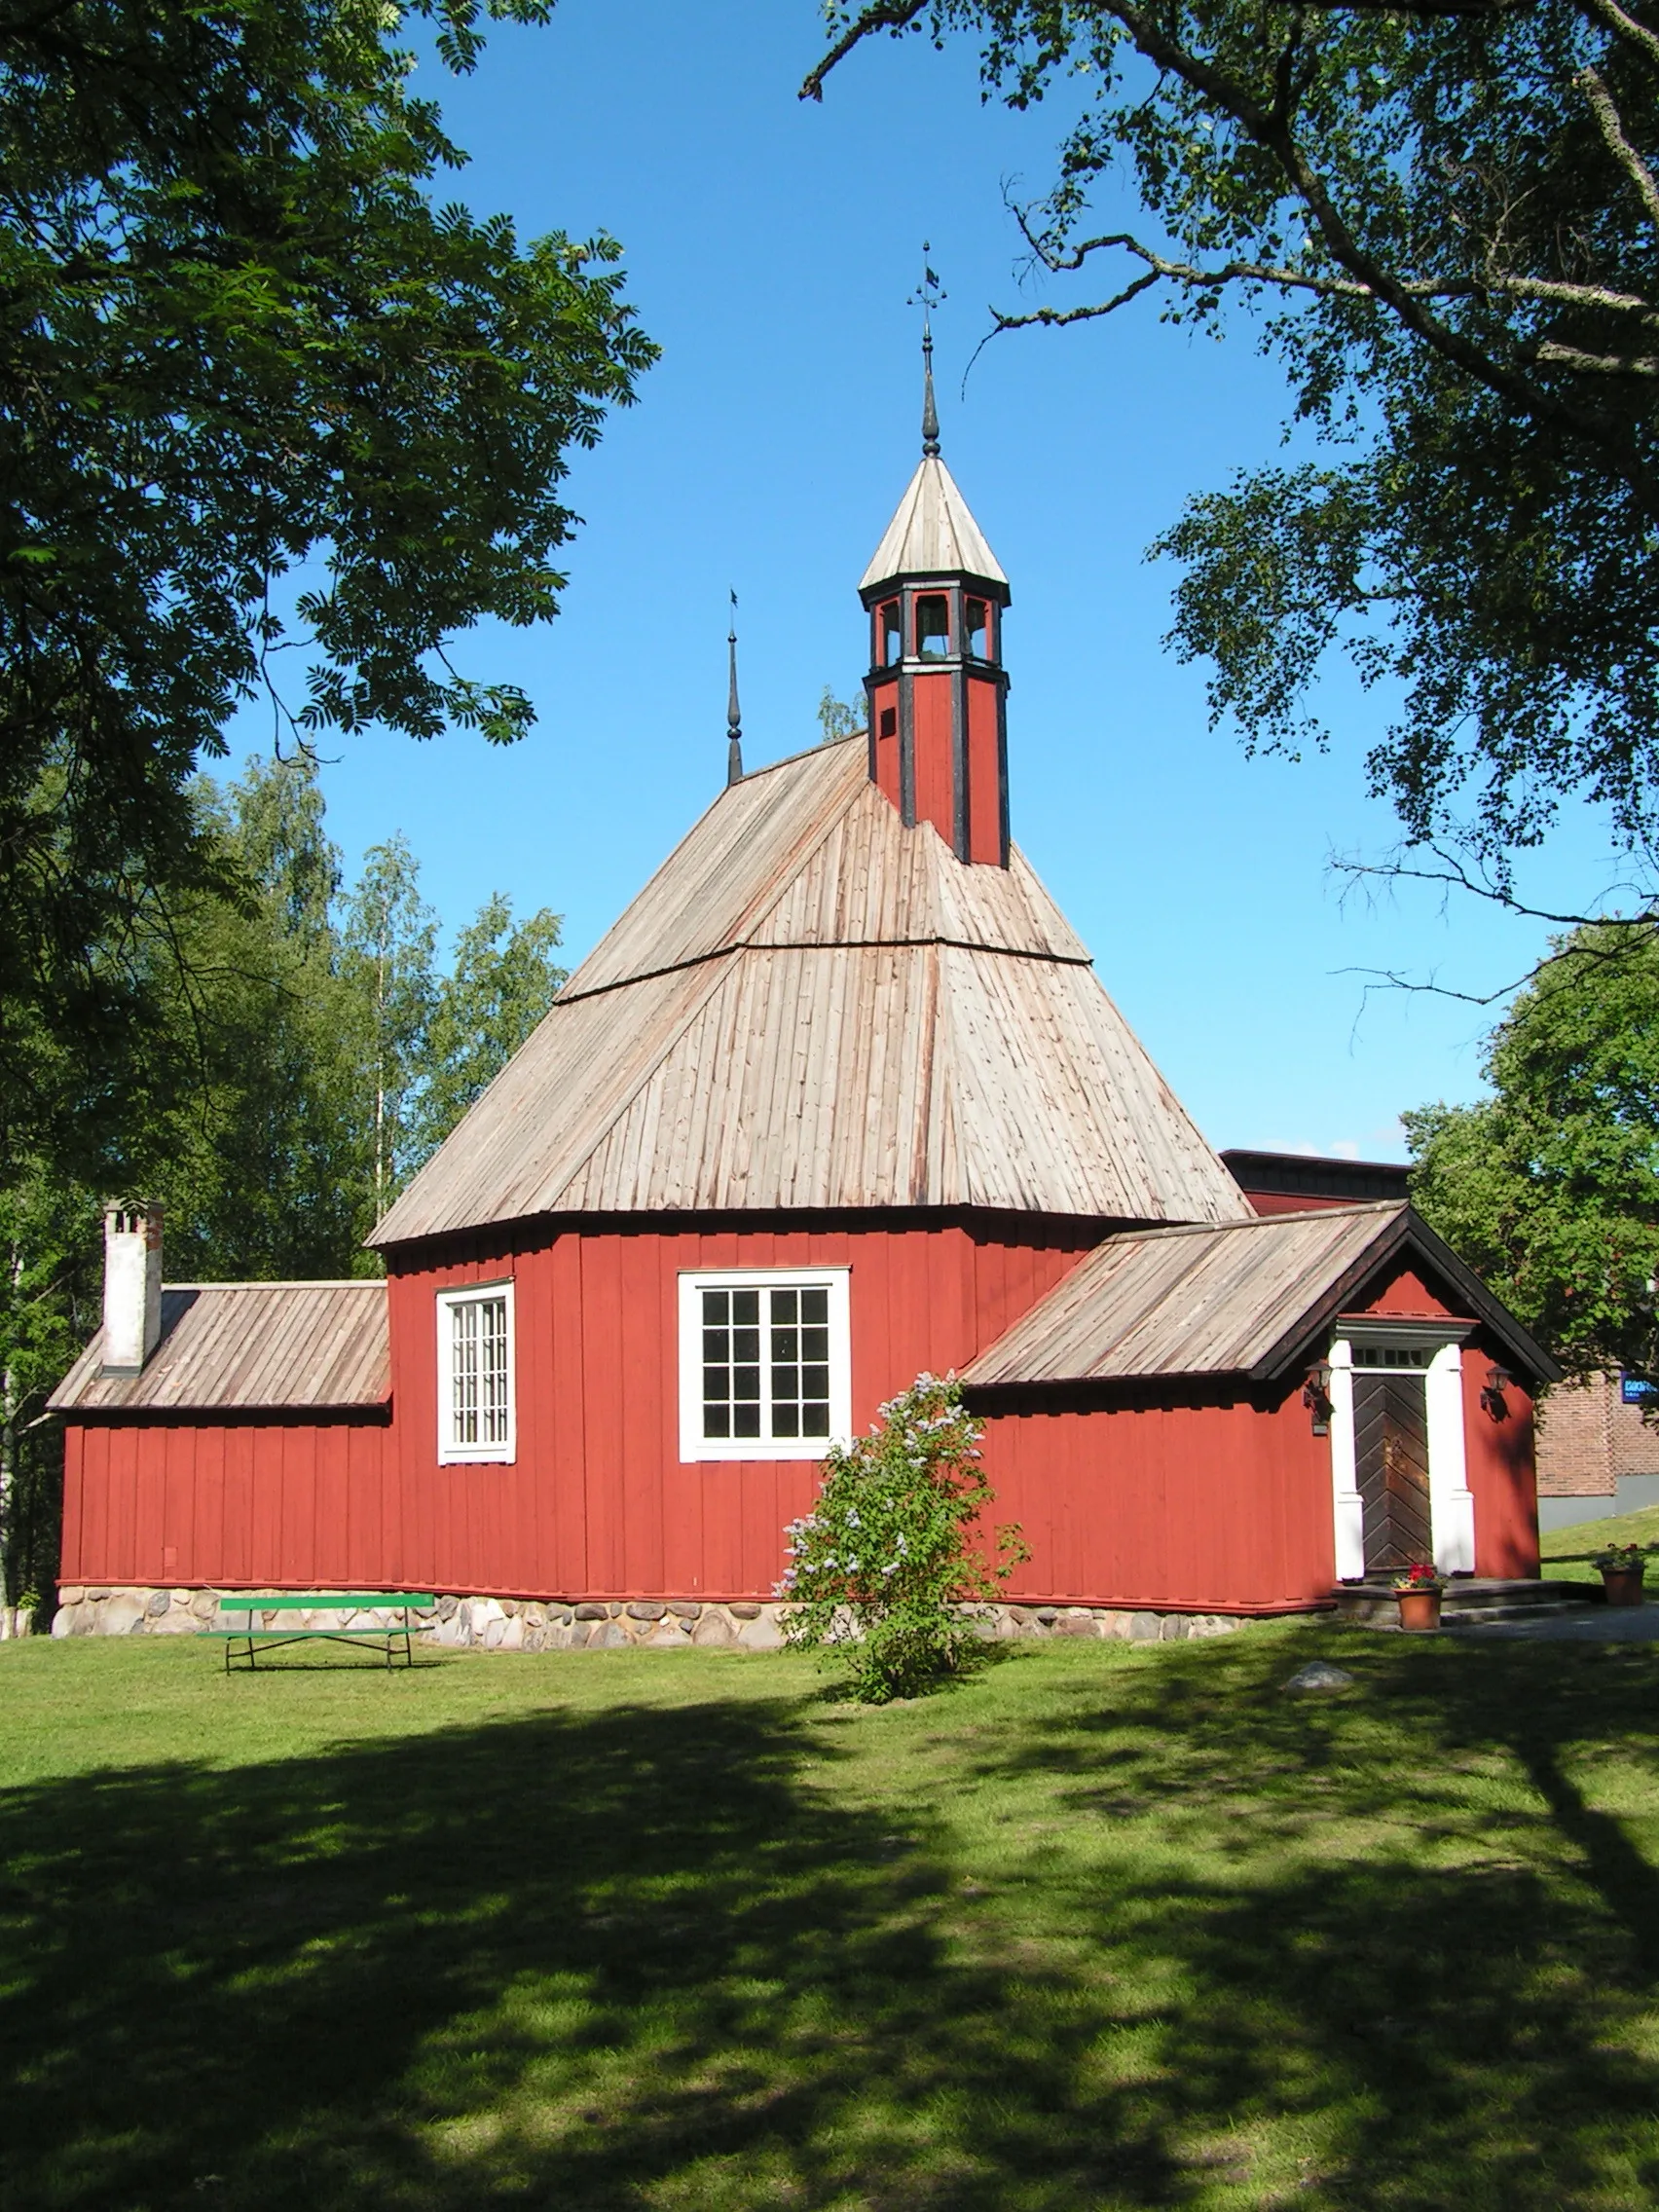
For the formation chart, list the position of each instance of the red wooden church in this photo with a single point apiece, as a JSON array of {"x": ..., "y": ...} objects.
[{"x": 838, "y": 1099}]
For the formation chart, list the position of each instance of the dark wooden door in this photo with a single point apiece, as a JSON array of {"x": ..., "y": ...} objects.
[{"x": 1390, "y": 1441}]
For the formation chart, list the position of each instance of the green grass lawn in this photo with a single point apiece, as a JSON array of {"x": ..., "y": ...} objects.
[
  {"x": 1564, "y": 1552},
  {"x": 1103, "y": 1927}
]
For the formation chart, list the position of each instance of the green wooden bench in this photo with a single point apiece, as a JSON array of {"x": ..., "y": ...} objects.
[{"x": 242, "y": 1644}]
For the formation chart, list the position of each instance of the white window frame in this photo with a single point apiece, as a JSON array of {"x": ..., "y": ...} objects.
[
  {"x": 1451, "y": 1502},
  {"x": 450, "y": 1452},
  {"x": 693, "y": 1444}
]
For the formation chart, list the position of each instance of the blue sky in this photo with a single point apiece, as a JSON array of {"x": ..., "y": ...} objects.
[{"x": 770, "y": 248}]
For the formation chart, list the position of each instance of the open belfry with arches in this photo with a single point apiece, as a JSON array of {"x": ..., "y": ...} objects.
[{"x": 838, "y": 1100}]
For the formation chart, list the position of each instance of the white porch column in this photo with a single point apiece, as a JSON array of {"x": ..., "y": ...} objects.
[
  {"x": 1348, "y": 1510},
  {"x": 1452, "y": 1503}
]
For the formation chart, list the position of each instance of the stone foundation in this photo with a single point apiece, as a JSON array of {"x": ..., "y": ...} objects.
[{"x": 537, "y": 1624}]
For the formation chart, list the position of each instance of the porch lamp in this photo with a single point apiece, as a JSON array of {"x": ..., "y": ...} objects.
[
  {"x": 1317, "y": 1397},
  {"x": 1498, "y": 1379}
]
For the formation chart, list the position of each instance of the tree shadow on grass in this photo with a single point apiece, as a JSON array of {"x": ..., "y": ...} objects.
[
  {"x": 645, "y": 1958},
  {"x": 615, "y": 1960},
  {"x": 1392, "y": 1924}
]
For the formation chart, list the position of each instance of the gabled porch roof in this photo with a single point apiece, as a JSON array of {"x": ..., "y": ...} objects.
[{"x": 1251, "y": 1298}]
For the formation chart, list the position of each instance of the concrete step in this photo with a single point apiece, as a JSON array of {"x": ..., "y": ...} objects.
[
  {"x": 1466, "y": 1599},
  {"x": 1478, "y": 1616}
]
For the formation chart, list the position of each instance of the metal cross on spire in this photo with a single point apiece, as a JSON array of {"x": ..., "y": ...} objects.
[
  {"x": 928, "y": 295},
  {"x": 734, "y": 719}
]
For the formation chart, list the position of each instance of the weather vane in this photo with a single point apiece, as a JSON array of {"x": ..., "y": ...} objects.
[{"x": 929, "y": 294}]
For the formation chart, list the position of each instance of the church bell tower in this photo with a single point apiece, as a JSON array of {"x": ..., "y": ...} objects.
[{"x": 937, "y": 688}]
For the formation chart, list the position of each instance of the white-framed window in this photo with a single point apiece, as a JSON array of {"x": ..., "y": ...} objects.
[
  {"x": 766, "y": 1363},
  {"x": 475, "y": 1373}
]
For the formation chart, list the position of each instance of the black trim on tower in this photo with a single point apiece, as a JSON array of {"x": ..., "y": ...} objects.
[
  {"x": 1003, "y": 838},
  {"x": 962, "y": 825},
  {"x": 906, "y": 749}
]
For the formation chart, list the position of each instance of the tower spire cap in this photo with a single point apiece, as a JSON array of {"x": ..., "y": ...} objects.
[{"x": 933, "y": 533}]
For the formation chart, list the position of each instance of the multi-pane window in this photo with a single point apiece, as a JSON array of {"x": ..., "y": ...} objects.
[
  {"x": 475, "y": 1374},
  {"x": 1393, "y": 1355},
  {"x": 764, "y": 1364}
]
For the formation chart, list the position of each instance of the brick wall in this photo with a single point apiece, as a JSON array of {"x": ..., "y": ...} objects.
[
  {"x": 1635, "y": 1442},
  {"x": 1575, "y": 1439}
]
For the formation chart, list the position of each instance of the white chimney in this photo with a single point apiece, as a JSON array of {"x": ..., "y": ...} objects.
[{"x": 133, "y": 1287}]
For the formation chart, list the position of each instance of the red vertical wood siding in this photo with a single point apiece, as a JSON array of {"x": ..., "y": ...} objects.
[
  {"x": 1208, "y": 1507},
  {"x": 1405, "y": 1296},
  {"x": 1501, "y": 1469},
  {"x": 597, "y": 1502},
  {"x": 256, "y": 1504},
  {"x": 1222, "y": 1504},
  {"x": 985, "y": 773},
  {"x": 933, "y": 749}
]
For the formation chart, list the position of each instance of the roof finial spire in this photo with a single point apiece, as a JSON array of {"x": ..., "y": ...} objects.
[
  {"x": 928, "y": 295},
  {"x": 734, "y": 719}
]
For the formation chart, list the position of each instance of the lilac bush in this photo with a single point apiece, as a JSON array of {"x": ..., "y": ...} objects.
[{"x": 883, "y": 1567}]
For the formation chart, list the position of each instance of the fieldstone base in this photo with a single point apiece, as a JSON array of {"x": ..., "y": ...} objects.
[
  {"x": 533, "y": 1624},
  {"x": 1005, "y": 1621},
  {"x": 544, "y": 1624}
]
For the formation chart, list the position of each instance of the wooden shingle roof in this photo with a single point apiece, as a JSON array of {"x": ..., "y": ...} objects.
[
  {"x": 811, "y": 1006},
  {"x": 933, "y": 533},
  {"x": 248, "y": 1348},
  {"x": 1248, "y": 1299}
]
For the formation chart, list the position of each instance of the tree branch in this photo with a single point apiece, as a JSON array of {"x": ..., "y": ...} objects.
[
  {"x": 1608, "y": 122},
  {"x": 1625, "y": 26},
  {"x": 1411, "y": 305},
  {"x": 881, "y": 14},
  {"x": 1541, "y": 288},
  {"x": 1626, "y": 933},
  {"x": 1597, "y": 364}
]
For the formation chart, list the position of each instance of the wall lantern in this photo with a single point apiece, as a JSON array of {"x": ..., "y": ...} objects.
[
  {"x": 1498, "y": 1379},
  {"x": 1317, "y": 1397}
]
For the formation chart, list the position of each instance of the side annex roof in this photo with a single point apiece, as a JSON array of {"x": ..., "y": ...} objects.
[
  {"x": 811, "y": 1006},
  {"x": 248, "y": 1348},
  {"x": 1252, "y": 1298}
]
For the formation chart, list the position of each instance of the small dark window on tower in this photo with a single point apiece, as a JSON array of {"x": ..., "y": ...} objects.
[
  {"x": 979, "y": 629},
  {"x": 892, "y": 635},
  {"x": 889, "y": 722},
  {"x": 932, "y": 624}
]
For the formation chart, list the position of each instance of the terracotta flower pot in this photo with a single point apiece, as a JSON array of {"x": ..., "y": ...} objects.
[
  {"x": 1419, "y": 1611},
  {"x": 1623, "y": 1585}
]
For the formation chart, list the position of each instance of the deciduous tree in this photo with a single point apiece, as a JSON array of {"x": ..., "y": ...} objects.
[
  {"x": 500, "y": 983},
  {"x": 264, "y": 399},
  {"x": 1449, "y": 212},
  {"x": 1550, "y": 1188},
  {"x": 390, "y": 936}
]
